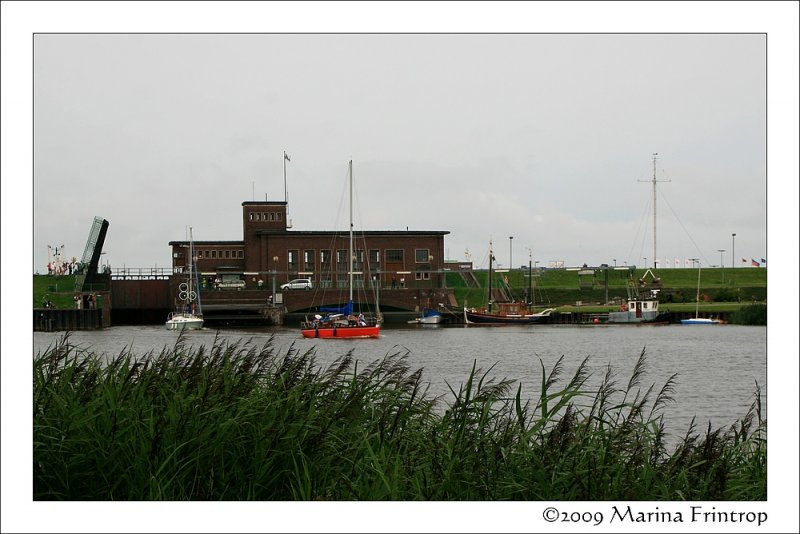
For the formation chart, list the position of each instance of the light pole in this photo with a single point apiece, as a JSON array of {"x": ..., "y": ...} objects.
[
  {"x": 274, "y": 273},
  {"x": 733, "y": 251},
  {"x": 721, "y": 250},
  {"x": 615, "y": 263},
  {"x": 510, "y": 253}
]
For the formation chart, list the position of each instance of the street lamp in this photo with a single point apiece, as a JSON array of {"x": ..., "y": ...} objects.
[
  {"x": 274, "y": 273},
  {"x": 510, "y": 253},
  {"x": 615, "y": 262},
  {"x": 733, "y": 251}
]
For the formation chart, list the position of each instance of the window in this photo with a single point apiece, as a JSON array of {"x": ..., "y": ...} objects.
[
  {"x": 278, "y": 216},
  {"x": 308, "y": 260},
  {"x": 374, "y": 259},
  {"x": 294, "y": 256},
  {"x": 199, "y": 254},
  {"x": 251, "y": 217},
  {"x": 271, "y": 216},
  {"x": 241, "y": 254},
  {"x": 394, "y": 255},
  {"x": 227, "y": 254},
  {"x": 358, "y": 260},
  {"x": 325, "y": 261},
  {"x": 214, "y": 254},
  {"x": 421, "y": 255},
  {"x": 341, "y": 261}
]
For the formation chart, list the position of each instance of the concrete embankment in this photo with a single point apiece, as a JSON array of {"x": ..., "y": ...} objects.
[{"x": 52, "y": 320}]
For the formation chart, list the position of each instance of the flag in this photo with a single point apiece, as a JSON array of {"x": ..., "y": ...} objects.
[
  {"x": 763, "y": 260},
  {"x": 286, "y": 156},
  {"x": 744, "y": 260},
  {"x": 677, "y": 262},
  {"x": 754, "y": 263},
  {"x": 668, "y": 263}
]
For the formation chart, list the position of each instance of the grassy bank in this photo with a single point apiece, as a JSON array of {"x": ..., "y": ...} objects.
[
  {"x": 240, "y": 422},
  {"x": 559, "y": 287}
]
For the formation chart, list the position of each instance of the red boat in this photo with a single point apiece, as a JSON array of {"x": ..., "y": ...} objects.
[
  {"x": 341, "y": 322},
  {"x": 339, "y": 326}
]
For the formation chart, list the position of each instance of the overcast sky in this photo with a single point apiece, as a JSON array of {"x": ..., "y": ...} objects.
[{"x": 546, "y": 138}]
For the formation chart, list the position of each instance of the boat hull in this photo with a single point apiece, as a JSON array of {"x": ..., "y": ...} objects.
[
  {"x": 631, "y": 317},
  {"x": 700, "y": 320},
  {"x": 184, "y": 322},
  {"x": 342, "y": 332},
  {"x": 431, "y": 319}
]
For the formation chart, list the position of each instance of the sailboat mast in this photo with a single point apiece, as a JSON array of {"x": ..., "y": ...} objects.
[
  {"x": 191, "y": 261},
  {"x": 350, "y": 279},
  {"x": 697, "y": 305},
  {"x": 489, "y": 297}
]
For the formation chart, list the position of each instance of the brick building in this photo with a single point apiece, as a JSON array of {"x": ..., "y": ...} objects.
[{"x": 269, "y": 248}]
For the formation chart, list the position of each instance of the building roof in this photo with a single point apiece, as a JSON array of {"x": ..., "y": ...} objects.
[
  {"x": 239, "y": 242},
  {"x": 373, "y": 233},
  {"x": 264, "y": 203}
]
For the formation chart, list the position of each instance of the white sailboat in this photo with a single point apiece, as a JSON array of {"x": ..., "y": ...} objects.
[
  {"x": 697, "y": 319},
  {"x": 189, "y": 315}
]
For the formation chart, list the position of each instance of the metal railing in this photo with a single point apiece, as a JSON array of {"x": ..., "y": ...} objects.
[{"x": 141, "y": 273}]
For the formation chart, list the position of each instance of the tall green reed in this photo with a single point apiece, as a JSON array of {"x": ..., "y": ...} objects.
[{"x": 239, "y": 421}]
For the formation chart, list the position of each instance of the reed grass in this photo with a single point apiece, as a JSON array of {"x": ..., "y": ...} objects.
[{"x": 238, "y": 421}]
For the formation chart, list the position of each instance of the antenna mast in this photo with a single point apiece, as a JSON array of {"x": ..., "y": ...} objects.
[{"x": 655, "y": 255}]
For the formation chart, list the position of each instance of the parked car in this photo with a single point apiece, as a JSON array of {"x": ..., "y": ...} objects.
[{"x": 298, "y": 283}]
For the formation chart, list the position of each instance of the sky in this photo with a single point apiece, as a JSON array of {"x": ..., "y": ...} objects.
[
  {"x": 546, "y": 138},
  {"x": 487, "y": 120}
]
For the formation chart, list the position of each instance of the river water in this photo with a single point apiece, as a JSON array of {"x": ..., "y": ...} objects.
[{"x": 717, "y": 365}]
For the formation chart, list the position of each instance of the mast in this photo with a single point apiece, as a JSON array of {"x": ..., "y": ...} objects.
[
  {"x": 655, "y": 248},
  {"x": 489, "y": 298},
  {"x": 350, "y": 278},
  {"x": 531, "y": 297},
  {"x": 697, "y": 305},
  {"x": 191, "y": 261}
]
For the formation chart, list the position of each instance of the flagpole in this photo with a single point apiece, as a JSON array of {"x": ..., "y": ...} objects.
[{"x": 285, "y": 189}]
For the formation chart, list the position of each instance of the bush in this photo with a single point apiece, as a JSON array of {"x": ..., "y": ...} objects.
[
  {"x": 754, "y": 315},
  {"x": 727, "y": 294}
]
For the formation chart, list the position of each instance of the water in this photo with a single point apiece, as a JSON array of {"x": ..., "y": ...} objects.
[{"x": 717, "y": 366}]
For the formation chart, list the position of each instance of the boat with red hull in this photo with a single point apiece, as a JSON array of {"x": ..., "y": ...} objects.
[
  {"x": 340, "y": 322},
  {"x": 340, "y": 329}
]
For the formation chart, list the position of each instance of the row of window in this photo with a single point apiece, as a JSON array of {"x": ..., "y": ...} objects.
[
  {"x": 221, "y": 254},
  {"x": 421, "y": 255},
  {"x": 266, "y": 216}
]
